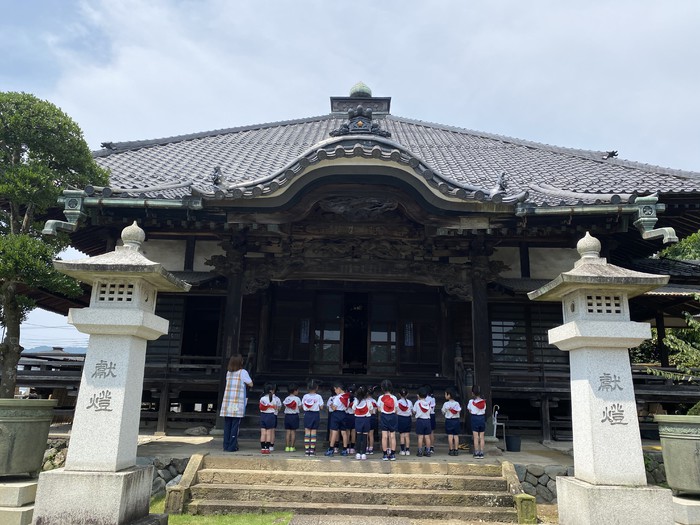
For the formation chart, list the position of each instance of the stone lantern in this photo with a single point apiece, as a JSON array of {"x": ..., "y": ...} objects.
[
  {"x": 101, "y": 482},
  {"x": 610, "y": 480}
]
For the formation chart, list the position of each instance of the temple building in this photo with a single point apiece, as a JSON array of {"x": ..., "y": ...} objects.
[{"x": 364, "y": 245}]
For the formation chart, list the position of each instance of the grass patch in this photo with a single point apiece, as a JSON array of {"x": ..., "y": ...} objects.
[{"x": 274, "y": 518}]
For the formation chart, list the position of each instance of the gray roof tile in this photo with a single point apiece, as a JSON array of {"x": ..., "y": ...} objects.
[{"x": 459, "y": 157}]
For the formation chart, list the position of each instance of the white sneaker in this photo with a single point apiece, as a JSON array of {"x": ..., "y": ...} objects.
[
  {"x": 272, "y": 449},
  {"x": 408, "y": 453},
  {"x": 363, "y": 456},
  {"x": 358, "y": 456},
  {"x": 402, "y": 453}
]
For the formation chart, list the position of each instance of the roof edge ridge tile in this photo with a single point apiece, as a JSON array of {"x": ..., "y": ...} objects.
[{"x": 119, "y": 147}]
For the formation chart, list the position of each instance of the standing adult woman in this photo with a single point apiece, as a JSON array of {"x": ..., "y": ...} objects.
[{"x": 234, "y": 401}]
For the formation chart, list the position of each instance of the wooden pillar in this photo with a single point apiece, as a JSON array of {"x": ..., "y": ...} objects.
[
  {"x": 163, "y": 409},
  {"x": 660, "y": 336},
  {"x": 263, "y": 335},
  {"x": 546, "y": 423},
  {"x": 232, "y": 265},
  {"x": 232, "y": 316},
  {"x": 481, "y": 332},
  {"x": 446, "y": 350}
]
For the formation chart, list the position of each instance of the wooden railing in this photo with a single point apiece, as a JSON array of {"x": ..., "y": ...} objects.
[
  {"x": 167, "y": 378},
  {"x": 555, "y": 378}
]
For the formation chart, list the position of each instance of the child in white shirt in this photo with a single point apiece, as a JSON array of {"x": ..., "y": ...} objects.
[
  {"x": 292, "y": 404},
  {"x": 362, "y": 408},
  {"x": 433, "y": 424},
  {"x": 477, "y": 409},
  {"x": 451, "y": 409},
  {"x": 388, "y": 421},
  {"x": 421, "y": 409},
  {"x": 269, "y": 406},
  {"x": 403, "y": 411},
  {"x": 312, "y": 403}
]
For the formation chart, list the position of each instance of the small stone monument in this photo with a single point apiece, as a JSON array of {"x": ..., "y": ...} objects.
[
  {"x": 101, "y": 483},
  {"x": 610, "y": 481}
]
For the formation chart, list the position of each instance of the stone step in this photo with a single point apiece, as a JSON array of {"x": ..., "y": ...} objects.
[
  {"x": 462, "y": 513},
  {"x": 17, "y": 492},
  {"x": 16, "y": 515},
  {"x": 346, "y": 464},
  {"x": 348, "y": 495},
  {"x": 368, "y": 480}
]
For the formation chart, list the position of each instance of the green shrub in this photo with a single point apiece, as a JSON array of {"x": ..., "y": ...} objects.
[{"x": 694, "y": 410}]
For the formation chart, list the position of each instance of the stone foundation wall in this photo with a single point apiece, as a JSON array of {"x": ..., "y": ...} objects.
[
  {"x": 167, "y": 471},
  {"x": 540, "y": 481}
]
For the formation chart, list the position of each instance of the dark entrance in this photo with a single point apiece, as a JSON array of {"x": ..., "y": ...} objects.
[{"x": 355, "y": 334}]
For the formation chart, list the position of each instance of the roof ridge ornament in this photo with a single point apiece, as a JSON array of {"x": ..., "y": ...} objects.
[{"x": 360, "y": 122}]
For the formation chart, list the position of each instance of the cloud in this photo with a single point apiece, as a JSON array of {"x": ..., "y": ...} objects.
[{"x": 591, "y": 75}]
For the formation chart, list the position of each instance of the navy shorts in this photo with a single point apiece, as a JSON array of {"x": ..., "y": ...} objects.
[
  {"x": 432, "y": 422},
  {"x": 478, "y": 423},
  {"x": 268, "y": 420},
  {"x": 362, "y": 425},
  {"x": 404, "y": 424},
  {"x": 452, "y": 426},
  {"x": 291, "y": 421},
  {"x": 336, "y": 420},
  {"x": 423, "y": 427},
  {"x": 349, "y": 421},
  {"x": 312, "y": 420},
  {"x": 388, "y": 422},
  {"x": 374, "y": 422}
]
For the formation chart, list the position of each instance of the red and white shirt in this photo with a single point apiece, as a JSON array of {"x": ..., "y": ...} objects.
[
  {"x": 431, "y": 400},
  {"x": 311, "y": 402},
  {"x": 404, "y": 407},
  {"x": 421, "y": 409},
  {"x": 477, "y": 406},
  {"x": 331, "y": 403},
  {"x": 373, "y": 404},
  {"x": 362, "y": 407},
  {"x": 292, "y": 404},
  {"x": 451, "y": 409},
  {"x": 270, "y": 407},
  {"x": 342, "y": 401},
  {"x": 387, "y": 404}
]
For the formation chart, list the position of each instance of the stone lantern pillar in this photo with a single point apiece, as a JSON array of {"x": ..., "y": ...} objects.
[
  {"x": 610, "y": 481},
  {"x": 101, "y": 483}
]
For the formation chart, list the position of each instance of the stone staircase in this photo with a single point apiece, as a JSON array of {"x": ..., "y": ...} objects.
[
  {"x": 416, "y": 488},
  {"x": 17, "y": 500}
]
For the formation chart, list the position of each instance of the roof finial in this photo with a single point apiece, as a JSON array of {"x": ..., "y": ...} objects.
[{"x": 360, "y": 90}]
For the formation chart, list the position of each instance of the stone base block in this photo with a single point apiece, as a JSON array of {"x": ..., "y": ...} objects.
[
  {"x": 581, "y": 503},
  {"x": 16, "y": 515},
  {"x": 17, "y": 493},
  {"x": 686, "y": 511},
  {"x": 94, "y": 498}
]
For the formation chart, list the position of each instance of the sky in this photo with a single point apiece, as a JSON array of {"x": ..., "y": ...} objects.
[{"x": 591, "y": 74}]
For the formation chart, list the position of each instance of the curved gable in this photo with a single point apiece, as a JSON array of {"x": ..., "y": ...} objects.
[{"x": 367, "y": 155}]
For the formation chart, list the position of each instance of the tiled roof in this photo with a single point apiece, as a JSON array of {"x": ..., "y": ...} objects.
[
  {"x": 461, "y": 162},
  {"x": 663, "y": 265}
]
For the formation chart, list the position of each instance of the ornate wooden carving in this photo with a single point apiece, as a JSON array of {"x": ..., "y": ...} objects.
[
  {"x": 344, "y": 229},
  {"x": 234, "y": 261},
  {"x": 358, "y": 208},
  {"x": 360, "y": 122},
  {"x": 353, "y": 248}
]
